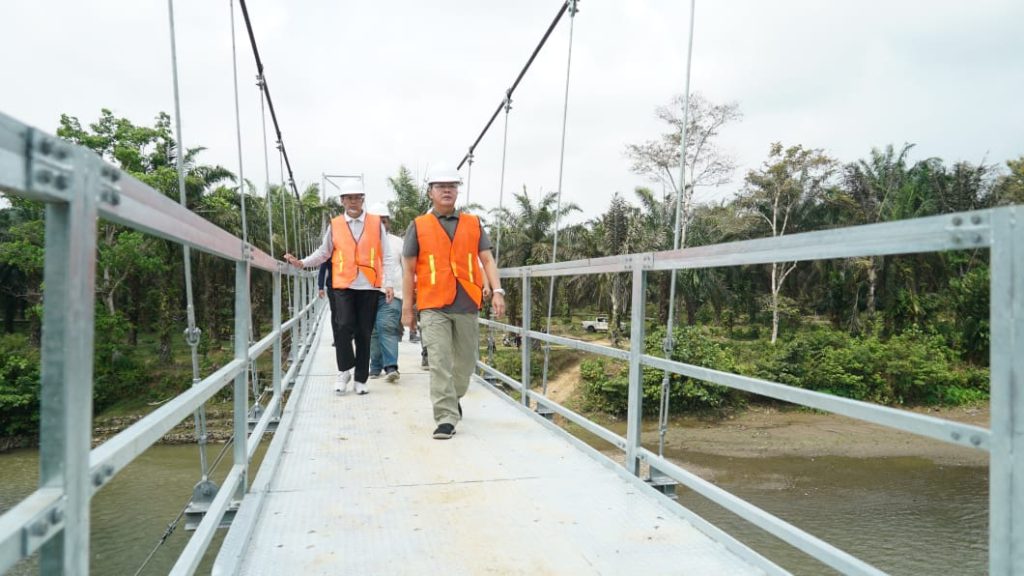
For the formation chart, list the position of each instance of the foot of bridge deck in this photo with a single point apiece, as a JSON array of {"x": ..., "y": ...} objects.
[{"x": 363, "y": 488}]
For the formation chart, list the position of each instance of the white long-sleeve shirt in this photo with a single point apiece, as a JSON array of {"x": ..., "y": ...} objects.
[
  {"x": 355, "y": 225},
  {"x": 395, "y": 272}
]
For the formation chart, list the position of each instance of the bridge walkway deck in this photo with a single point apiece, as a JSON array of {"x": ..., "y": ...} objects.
[{"x": 363, "y": 488}]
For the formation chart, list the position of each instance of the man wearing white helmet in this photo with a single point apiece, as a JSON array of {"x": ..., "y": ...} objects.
[
  {"x": 447, "y": 256},
  {"x": 361, "y": 266},
  {"x": 387, "y": 327}
]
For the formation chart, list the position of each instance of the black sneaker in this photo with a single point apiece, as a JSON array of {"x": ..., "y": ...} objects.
[
  {"x": 424, "y": 363},
  {"x": 444, "y": 432}
]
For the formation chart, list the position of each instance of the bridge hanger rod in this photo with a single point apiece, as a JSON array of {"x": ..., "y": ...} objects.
[
  {"x": 266, "y": 91},
  {"x": 510, "y": 91}
]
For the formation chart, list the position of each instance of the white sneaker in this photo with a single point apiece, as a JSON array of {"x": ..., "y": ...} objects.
[
  {"x": 341, "y": 382},
  {"x": 361, "y": 388}
]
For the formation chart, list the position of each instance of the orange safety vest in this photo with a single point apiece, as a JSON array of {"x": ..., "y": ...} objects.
[
  {"x": 442, "y": 262},
  {"x": 351, "y": 257}
]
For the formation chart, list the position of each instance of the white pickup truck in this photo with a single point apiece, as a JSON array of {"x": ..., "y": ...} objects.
[{"x": 598, "y": 324}]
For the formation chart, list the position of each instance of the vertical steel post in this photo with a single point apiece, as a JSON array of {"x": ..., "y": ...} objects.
[
  {"x": 1006, "y": 471},
  {"x": 276, "y": 314},
  {"x": 525, "y": 347},
  {"x": 241, "y": 392},
  {"x": 67, "y": 365},
  {"x": 293, "y": 348},
  {"x": 636, "y": 349}
]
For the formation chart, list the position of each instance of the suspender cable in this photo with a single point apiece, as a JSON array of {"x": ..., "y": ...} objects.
[
  {"x": 501, "y": 211},
  {"x": 192, "y": 333},
  {"x": 678, "y": 240},
  {"x": 469, "y": 178},
  {"x": 558, "y": 197},
  {"x": 501, "y": 183},
  {"x": 266, "y": 166},
  {"x": 238, "y": 129},
  {"x": 510, "y": 91},
  {"x": 254, "y": 379},
  {"x": 266, "y": 89}
]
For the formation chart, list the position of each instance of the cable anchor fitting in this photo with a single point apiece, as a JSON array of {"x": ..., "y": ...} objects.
[{"x": 192, "y": 335}]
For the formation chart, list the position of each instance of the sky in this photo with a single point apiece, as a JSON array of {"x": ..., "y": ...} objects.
[{"x": 362, "y": 87}]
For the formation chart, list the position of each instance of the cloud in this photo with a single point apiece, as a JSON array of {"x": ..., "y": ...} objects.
[{"x": 363, "y": 87}]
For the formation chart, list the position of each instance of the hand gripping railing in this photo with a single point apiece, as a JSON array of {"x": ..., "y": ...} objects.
[
  {"x": 78, "y": 187},
  {"x": 1000, "y": 230}
]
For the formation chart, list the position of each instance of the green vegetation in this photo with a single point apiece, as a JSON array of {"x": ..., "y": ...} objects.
[{"x": 896, "y": 330}]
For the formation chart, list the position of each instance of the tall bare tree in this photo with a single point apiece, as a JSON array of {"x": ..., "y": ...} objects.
[
  {"x": 790, "y": 180},
  {"x": 706, "y": 163}
]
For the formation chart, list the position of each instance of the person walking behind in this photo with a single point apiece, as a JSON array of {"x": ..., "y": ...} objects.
[
  {"x": 387, "y": 328},
  {"x": 443, "y": 279},
  {"x": 323, "y": 284},
  {"x": 360, "y": 262}
]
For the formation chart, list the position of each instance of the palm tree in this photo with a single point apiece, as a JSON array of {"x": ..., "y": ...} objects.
[{"x": 526, "y": 232}]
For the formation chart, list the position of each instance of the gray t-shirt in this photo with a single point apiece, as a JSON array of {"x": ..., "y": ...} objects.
[{"x": 411, "y": 249}]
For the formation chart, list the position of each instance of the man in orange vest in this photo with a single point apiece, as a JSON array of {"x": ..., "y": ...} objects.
[
  {"x": 360, "y": 261},
  {"x": 447, "y": 254}
]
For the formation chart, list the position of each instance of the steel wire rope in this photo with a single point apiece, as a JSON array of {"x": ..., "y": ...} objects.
[
  {"x": 669, "y": 342},
  {"x": 266, "y": 166},
  {"x": 469, "y": 179},
  {"x": 173, "y": 525},
  {"x": 558, "y": 200},
  {"x": 519, "y": 78},
  {"x": 246, "y": 247},
  {"x": 501, "y": 213},
  {"x": 192, "y": 333},
  {"x": 266, "y": 88}
]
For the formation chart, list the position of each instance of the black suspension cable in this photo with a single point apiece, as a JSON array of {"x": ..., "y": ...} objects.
[
  {"x": 266, "y": 90},
  {"x": 508, "y": 93}
]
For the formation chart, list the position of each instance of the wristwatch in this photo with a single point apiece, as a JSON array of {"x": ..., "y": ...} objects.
[{"x": 498, "y": 291}]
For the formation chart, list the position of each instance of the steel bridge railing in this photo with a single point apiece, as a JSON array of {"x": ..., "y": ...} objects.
[
  {"x": 1000, "y": 230},
  {"x": 78, "y": 187}
]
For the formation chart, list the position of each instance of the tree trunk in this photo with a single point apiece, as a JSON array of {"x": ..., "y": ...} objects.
[
  {"x": 166, "y": 322},
  {"x": 775, "y": 302},
  {"x": 872, "y": 286},
  {"x": 614, "y": 326},
  {"x": 691, "y": 305}
]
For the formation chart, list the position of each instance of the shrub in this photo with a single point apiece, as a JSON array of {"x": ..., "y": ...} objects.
[{"x": 19, "y": 386}]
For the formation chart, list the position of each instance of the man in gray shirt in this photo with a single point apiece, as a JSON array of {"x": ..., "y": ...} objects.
[{"x": 447, "y": 258}]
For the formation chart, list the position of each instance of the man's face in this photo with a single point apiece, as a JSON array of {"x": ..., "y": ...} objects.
[
  {"x": 353, "y": 204},
  {"x": 444, "y": 194},
  {"x": 386, "y": 222}
]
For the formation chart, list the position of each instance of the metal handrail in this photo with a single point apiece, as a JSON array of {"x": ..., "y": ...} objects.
[
  {"x": 79, "y": 187},
  {"x": 997, "y": 229}
]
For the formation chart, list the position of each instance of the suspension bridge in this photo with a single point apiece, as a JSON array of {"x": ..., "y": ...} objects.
[{"x": 355, "y": 485}]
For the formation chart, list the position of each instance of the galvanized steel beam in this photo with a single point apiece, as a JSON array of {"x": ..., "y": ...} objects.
[{"x": 1006, "y": 468}]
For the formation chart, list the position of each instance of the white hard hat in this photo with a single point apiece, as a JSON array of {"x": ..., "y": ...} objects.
[
  {"x": 352, "y": 192},
  {"x": 380, "y": 209},
  {"x": 442, "y": 173}
]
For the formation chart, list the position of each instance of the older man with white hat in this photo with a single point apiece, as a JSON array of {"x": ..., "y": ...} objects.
[{"x": 362, "y": 265}]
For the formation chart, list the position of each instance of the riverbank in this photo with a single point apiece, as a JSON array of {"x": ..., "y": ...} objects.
[{"x": 770, "y": 432}]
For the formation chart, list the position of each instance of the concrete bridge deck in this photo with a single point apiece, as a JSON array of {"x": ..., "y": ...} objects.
[{"x": 362, "y": 488}]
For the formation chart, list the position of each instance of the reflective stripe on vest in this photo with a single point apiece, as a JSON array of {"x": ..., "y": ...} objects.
[
  {"x": 351, "y": 257},
  {"x": 438, "y": 267}
]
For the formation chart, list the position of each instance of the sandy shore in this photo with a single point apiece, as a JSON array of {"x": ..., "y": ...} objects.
[{"x": 771, "y": 432}]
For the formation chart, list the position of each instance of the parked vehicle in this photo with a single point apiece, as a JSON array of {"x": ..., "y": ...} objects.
[{"x": 598, "y": 324}]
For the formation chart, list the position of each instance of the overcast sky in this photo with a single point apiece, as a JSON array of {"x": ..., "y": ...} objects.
[{"x": 362, "y": 87}]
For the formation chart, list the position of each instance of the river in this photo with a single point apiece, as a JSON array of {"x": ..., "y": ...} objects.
[
  {"x": 131, "y": 513},
  {"x": 904, "y": 515}
]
